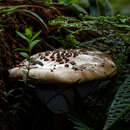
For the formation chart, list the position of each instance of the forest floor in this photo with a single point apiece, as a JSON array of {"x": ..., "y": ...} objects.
[{"x": 95, "y": 106}]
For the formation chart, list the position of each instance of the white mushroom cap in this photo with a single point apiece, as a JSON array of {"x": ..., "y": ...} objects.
[{"x": 67, "y": 66}]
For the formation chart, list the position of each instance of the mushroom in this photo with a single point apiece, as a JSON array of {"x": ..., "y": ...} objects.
[
  {"x": 72, "y": 66},
  {"x": 67, "y": 66}
]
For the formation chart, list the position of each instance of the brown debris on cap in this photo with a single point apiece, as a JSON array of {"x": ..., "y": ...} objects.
[{"x": 67, "y": 66}]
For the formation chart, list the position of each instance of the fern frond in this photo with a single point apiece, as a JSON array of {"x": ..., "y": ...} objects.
[
  {"x": 120, "y": 104},
  {"x": 78, "y": 124}
]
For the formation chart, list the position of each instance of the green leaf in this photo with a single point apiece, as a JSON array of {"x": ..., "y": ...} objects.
[
  {"x": 24, "y": 10},
  {"x": 5, "y": 94},
  {"x": 78, "y": 124},
  {"x": 47, "y": 2},
  {"x": 36, "y": 35},
  {"x": 33, "y": 44},
  {"x": 10, "y": 9},
  {"x": 39, "y": 63},
  {"x": 34, "y": 67},
  {"x": 34, "y": 14},
  {"x": 25, "y": 55},
  {"x": 68, "y": 1},
  {"x": 22, "y": 36},
  {"x": 28, "y": 32},
  {"x": 21, "y": 49},
  {"x": 120, "y": 104},
  {"x": 79, "y": 8},
  {"x": 25, "y": 72},
  {"x": 122, "y": 26}
]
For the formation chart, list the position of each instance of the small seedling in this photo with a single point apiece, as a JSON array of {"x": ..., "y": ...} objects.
[{"x": 26, "y": 52}]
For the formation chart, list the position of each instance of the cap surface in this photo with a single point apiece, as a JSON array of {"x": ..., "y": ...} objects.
[{"x": 67, "y": 66}]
